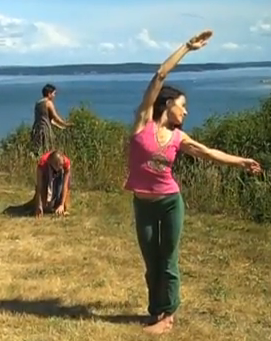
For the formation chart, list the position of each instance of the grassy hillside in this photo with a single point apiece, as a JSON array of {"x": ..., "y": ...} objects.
[{"x": 82, "y": 277}]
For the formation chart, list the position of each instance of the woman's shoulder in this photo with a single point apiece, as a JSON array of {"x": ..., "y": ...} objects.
[
  {"x": 143, "y": 128},
  {"x": 178, "y": 133},
  {"x": 41, "y": 102}
]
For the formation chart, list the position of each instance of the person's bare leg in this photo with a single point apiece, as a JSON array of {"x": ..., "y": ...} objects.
[
  {"x": 43, "y": 196},
  {"x": 31, "y": 204}
]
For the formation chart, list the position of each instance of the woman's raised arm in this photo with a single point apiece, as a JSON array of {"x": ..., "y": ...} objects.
[{"x": 145, "y": 110}]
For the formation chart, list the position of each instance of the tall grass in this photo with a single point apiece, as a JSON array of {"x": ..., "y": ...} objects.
[{"x": 97, "y": 151}]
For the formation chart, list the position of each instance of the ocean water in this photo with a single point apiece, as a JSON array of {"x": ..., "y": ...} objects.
[{"x": 116, "y": 96}]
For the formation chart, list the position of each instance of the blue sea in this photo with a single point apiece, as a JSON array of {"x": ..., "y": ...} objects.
[{"x": 115, "y": 96}]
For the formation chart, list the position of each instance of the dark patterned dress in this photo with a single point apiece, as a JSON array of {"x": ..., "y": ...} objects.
[{"x": 42, "y": 137}]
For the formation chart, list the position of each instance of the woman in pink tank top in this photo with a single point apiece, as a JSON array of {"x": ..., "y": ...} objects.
[{"x": 158, "y": 204}]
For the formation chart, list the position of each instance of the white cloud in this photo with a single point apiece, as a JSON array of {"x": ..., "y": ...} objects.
[
  {"x": 231, "y": 46},
  {"x": 22, "y": 35},
  {"x": 144, "y": 38},
  {"x": 11, "y": 22},
  {"x": 107, "y": 47},
  {"x": 169, "y": 46},
  {"x": 53, "y": 36},
  {"x": 133, "y": 44},
  {"x": 236, "y": 47},
  {"x": 262, "y": 27}
]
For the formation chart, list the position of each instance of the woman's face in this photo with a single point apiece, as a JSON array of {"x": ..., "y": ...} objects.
[
  {"x": 177, "y": 110},
  {"x": 52, "y": 95}
]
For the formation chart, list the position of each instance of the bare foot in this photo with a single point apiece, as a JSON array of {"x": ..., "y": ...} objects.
[
  {"x": 153, "y": 319},
  {"x": 163, "y": 326}
]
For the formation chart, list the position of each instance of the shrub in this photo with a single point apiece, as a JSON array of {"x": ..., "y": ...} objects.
[{"x": 97, "y": 151}]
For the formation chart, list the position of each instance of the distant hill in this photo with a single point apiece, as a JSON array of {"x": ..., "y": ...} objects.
[{"x": 119, "y": 68}]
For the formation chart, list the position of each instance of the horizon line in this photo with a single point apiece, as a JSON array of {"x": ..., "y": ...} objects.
[{"x": 130, "y": 63}]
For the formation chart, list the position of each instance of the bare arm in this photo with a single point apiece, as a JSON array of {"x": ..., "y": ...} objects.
[
  {"x": 144, "y": 113},
  {"x": 145, "y": 110},
  {"x": 65, "y": 186},
  {"x": 56, "y": 119},
  {"x": 38, "y": 202},
  {"x": 57, "y": 125},
  {"x": 194, "y": 148}
]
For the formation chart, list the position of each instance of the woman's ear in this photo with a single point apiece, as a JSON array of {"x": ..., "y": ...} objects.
[{"x": 169, "y": 102}]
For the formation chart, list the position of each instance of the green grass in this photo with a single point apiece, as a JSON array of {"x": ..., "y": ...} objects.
[{"x": 82, "y": 277}]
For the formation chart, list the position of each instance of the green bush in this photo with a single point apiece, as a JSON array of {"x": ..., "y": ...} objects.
[
  {"x": 95, "y": 147},
  {"x": 97, "y": 151},
  {"x": 215, "y": 188}
]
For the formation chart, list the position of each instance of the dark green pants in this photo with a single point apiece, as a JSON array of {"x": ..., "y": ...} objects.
[{"x": 159, "y": 225}]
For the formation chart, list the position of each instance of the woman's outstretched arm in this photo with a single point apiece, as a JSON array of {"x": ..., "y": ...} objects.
[
  {"x": 194, "y": 148},
  {"x": 145, "y": 110},
  {"x": 55, "y": 118}
]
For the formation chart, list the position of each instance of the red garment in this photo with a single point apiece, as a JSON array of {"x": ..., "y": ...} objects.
[{"x": 44, "y": 161}]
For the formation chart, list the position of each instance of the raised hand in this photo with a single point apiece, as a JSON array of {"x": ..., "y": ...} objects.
[{"x": 200, "y": 40}]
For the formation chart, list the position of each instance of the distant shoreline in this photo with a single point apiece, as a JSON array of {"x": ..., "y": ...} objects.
[
  {"x": 124, "y": 68},
  {"x": 266, "y": 81}
]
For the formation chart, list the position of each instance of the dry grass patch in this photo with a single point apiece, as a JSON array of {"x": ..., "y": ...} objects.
[{"x": 81, "y": 277}]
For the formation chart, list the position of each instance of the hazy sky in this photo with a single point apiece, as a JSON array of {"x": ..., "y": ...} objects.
[{"x": 44, "y": 32}]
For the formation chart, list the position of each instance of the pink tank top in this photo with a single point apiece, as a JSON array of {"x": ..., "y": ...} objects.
[{"x": 150, "y": 164}]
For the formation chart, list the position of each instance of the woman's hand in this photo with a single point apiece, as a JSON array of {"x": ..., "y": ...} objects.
[
  {"x": 199, "y": 40},
  {"x": 39, "y": 212},
  {"x": 252, "y": 166},
  {"x": 60, "y": 210},
  {"x": 69, "y": 124}
]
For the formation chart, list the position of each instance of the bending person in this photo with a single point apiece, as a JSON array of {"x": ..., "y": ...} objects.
[
  {"x": 52, "y": 193},
  {"x": 45, "y": 116},
  {"x": 53, "y": 184},
  {"x": 158, "y": 204}
]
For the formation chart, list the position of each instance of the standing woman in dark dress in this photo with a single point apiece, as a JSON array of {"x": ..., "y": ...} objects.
[{"x": 42, "y": 136}]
